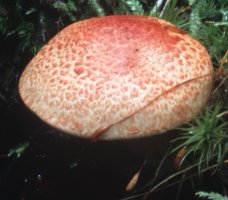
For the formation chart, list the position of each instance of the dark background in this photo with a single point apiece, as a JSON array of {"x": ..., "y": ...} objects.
[{"x": 59, "y": 166}]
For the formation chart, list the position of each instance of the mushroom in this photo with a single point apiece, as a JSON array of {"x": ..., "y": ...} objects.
[{"x": 118, "y": 77}]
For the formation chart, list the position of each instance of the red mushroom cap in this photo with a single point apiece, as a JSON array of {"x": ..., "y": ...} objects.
[{"x": 120, "y": 76}]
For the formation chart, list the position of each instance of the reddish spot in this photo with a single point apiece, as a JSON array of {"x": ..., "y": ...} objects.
[
  {"x": 80, "y": 53},
  {"x": 193, "y": 49},
  {"x": 202, "y": 67},
  {"x": 125, "y": 88},
  {"x": 204, "y": 62},
  {"x": 89, "y": 73},
  {"x": 52, "y": 80},
  {"x": 171, "y": 82},
  {"x": 63, "y": 119},
  {"x": 180, "y": 62},
  {"x": 68, "y": 57},
  {"x": 67, "y": 65},
  {"x": 187, "y": 56},
  {"x": 171, "y": 68},
  {"x": 114, "y": 86},
  {"x": 53, "y": 94},
  {"x": 49, "y": 54},
  {"x": 60, "y": 46},
  {"x": 168, "y": 59},
  {"x": 125, "y": 98},
  {"x": 67, "y": 106},
  {"x": 155, "y": 82},
  {"x": 45, "y": 98},
  {"x": 89, "y": 58},
  {"x": 63, "y": 73},
  {"x": 74, "y": 51},
  {"x": 68, "y": 96},
  {"x": 55, "y": 72},
  {"x": 183, "y": 77},
  {"x": 54, "y": 65},
  {"x": 164, "y": 76},
  {"x": 134, "y": 92},
  {"x": 143, "y": 86},
  {"x": 41, "y": 52},
  {"x": 133, "y": 130},
  {"x": 90, "y": 98},
  {"x": 80, "y": 91},
  {"x": 183, "y": 48},
  {"x": 51, "y": 104},
  {"x": 64, "y": 82},
  {"x": 79, "y": 70},
  {"x": 86, "y": 91},
  {"x": 91, "y": 87},
  {"x": 202, "y": 54},
  {"x": 165, "y": 106},
  {"x": 61, "y": 63},
  {"x": 76, "y": 125},
  {"x": 78, "y": 63},
  {"x": 188, "y": 63}
]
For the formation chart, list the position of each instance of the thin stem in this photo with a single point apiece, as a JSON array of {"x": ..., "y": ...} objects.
[
  {"x": 156, "y": 187},
  {"x": 157, "y": 5},
  {"x": 163, "y": 10},
  {"x": 167, "y": 179},
  {"x": 220, "y": 84},
  {"x": 222, "y": 114},
  {"x": 146, "y": 194},
  {"x": 195, "y": 174},
  {"x": 157, "y": 171}
]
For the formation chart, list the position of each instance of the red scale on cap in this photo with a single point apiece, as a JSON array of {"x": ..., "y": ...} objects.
[{"x": 119, "y": 76}]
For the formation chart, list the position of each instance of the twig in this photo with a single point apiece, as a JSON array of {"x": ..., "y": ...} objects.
[
  {"x": 134, "y": 179},
  {"x": 220, "y": 84},
  {"x": 195, "y": 174},
  {"x": 159, "y": 167},
  {"x": 167, "y": 179},
  {"x": 156, "y": 187},
  {"x": 157, "y": 171},
  {"x": 146, "y": 194}
]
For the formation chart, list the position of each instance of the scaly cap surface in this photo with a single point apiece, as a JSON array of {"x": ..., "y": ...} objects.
[{"x": 116, "y": 77}]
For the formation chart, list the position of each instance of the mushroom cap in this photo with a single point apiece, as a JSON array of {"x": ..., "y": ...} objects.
[{"x": 116, "y": 77}]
